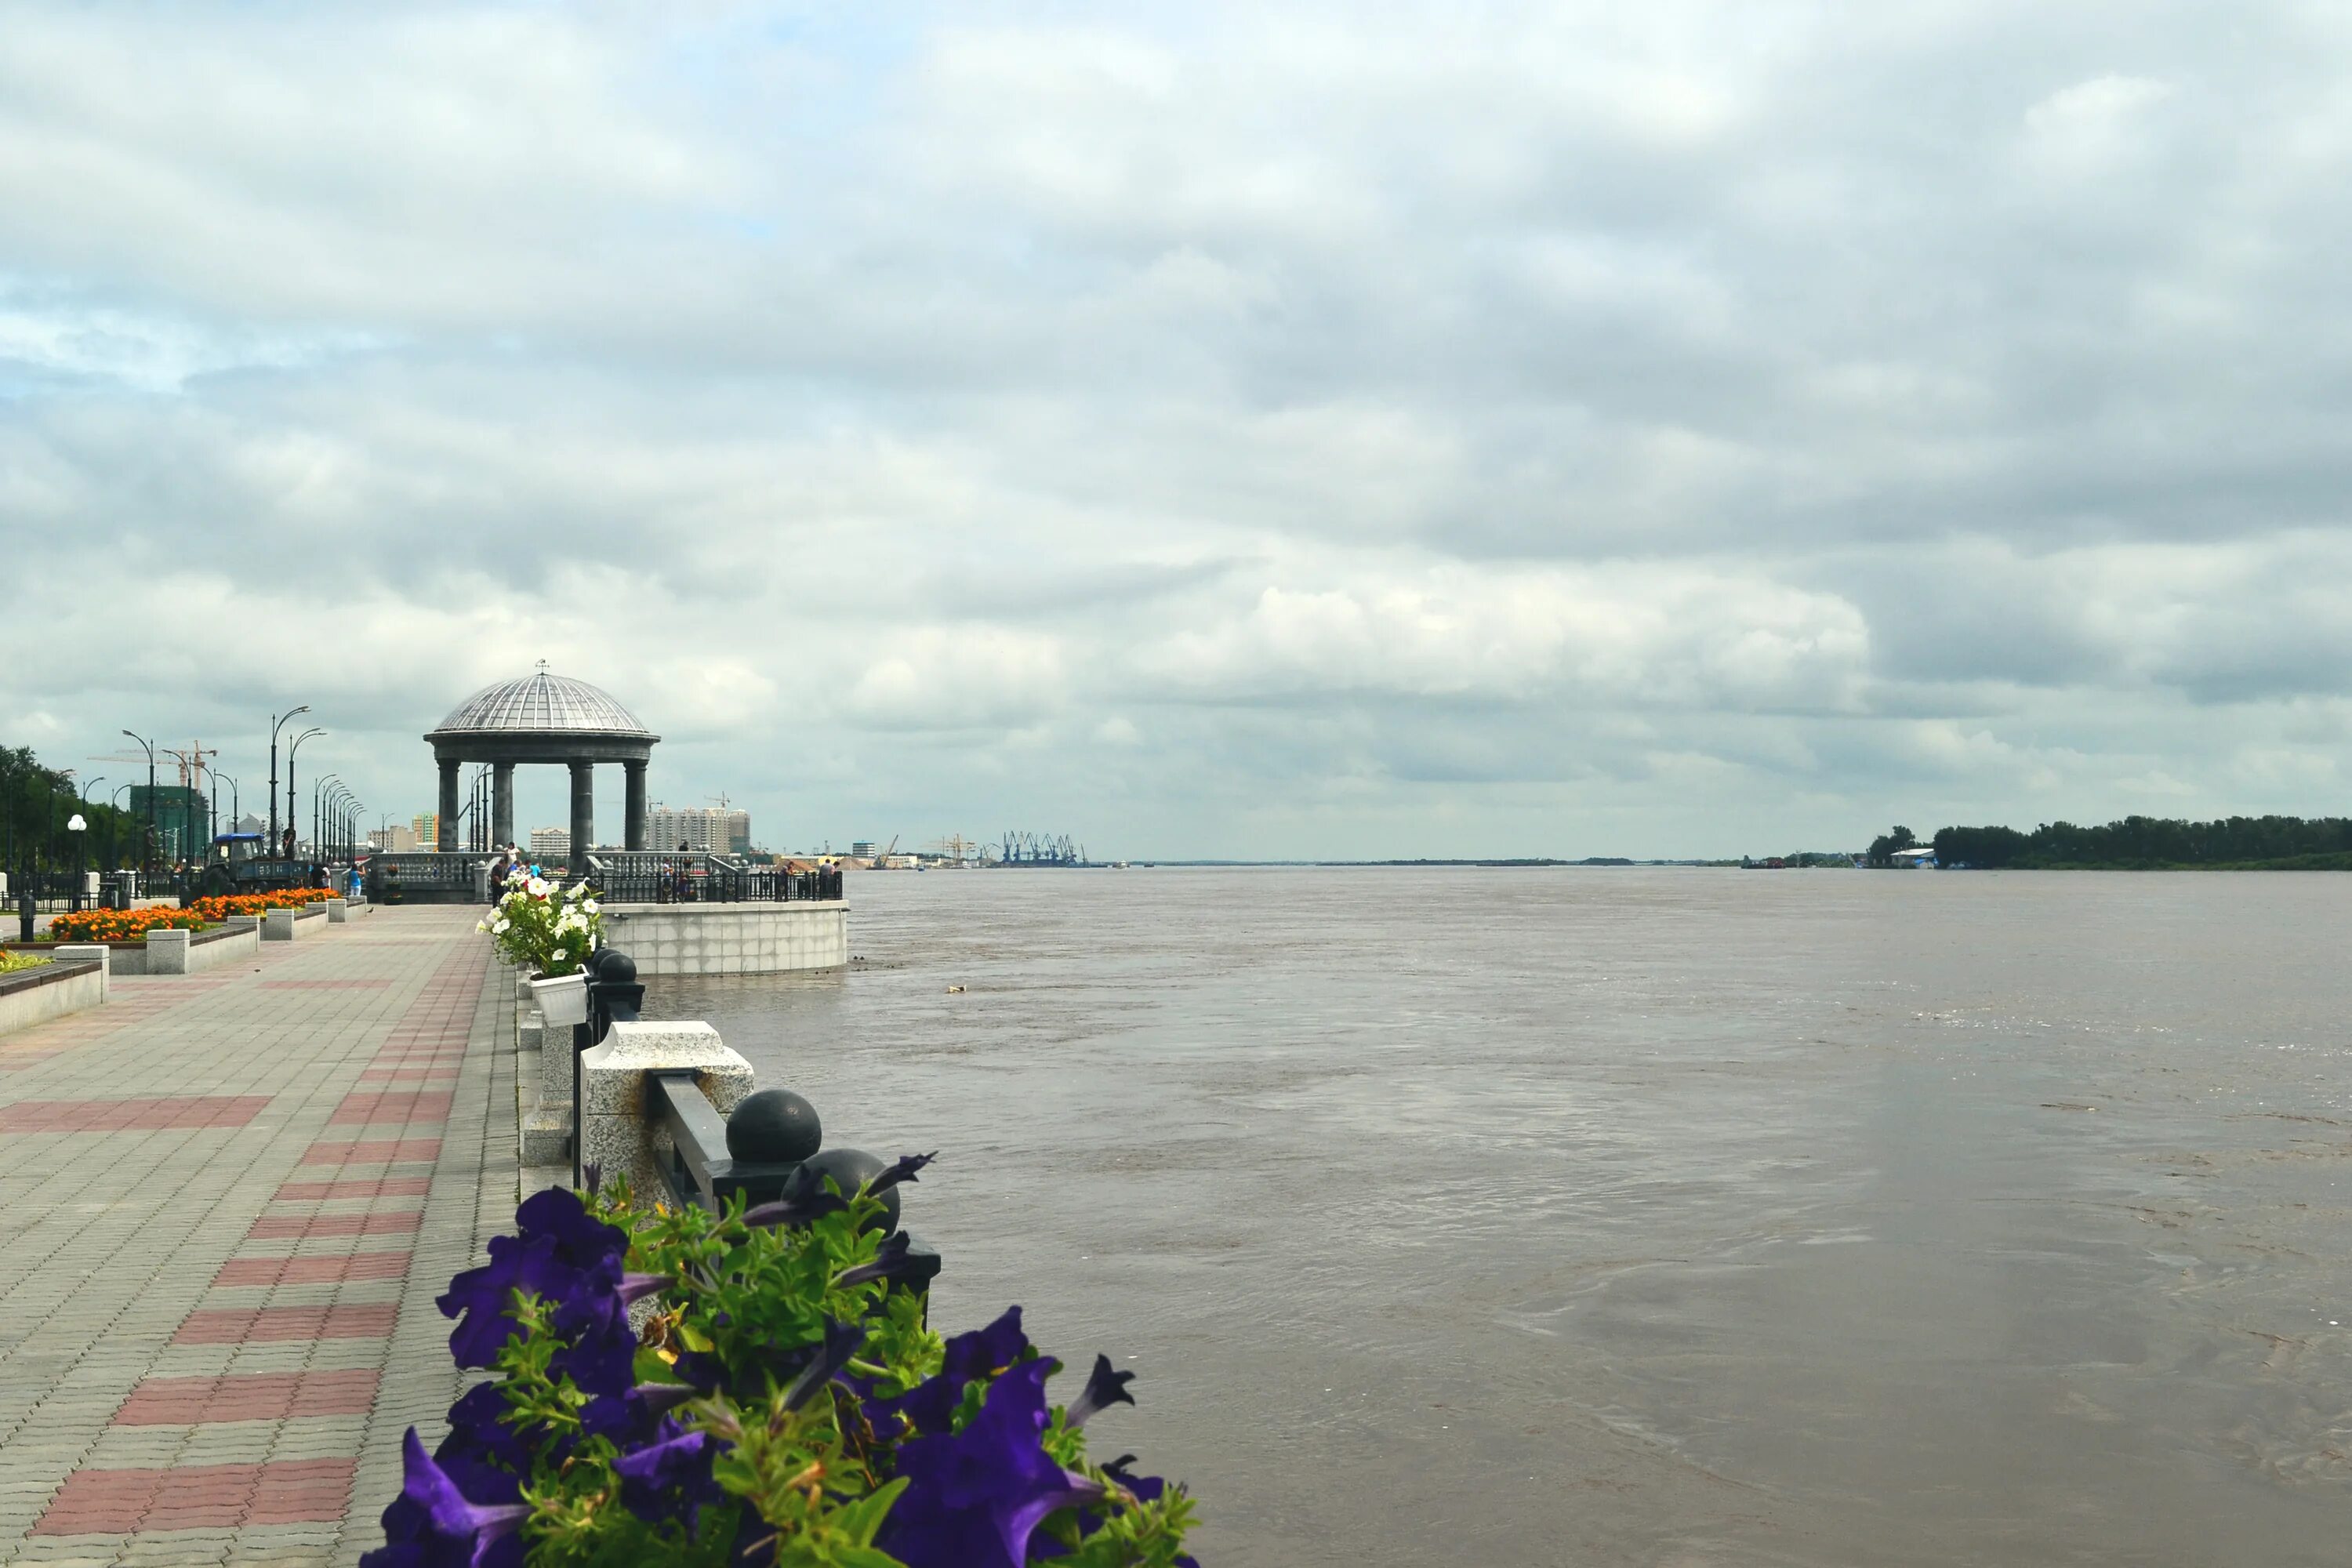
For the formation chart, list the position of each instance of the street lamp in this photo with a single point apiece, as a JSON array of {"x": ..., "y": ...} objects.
[
  {"x": 146, "y": 859},
  {"x": 276, "y": 722},
  {"x": 321, "y": 791},
  {"x": 291, "y": 747},
  {"x": 113, "y": 820},
  {"x": 342, "y": 804},
  {"x": 76, "y": 825}
]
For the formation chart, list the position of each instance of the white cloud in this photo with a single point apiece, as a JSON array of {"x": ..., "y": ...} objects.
[{"x": 1406, "y": 429}]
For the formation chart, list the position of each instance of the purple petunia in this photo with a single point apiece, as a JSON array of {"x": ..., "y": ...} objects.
[
  {"x": 981, "y": 1354},
  {"x": 902, "y": 1169},
  {"x": 840, "y": 1342},
  {"x": 669, "y": 1477},
  {"x": 890, "y": 1261},
  {"x": 430, "y": 1525},
  {"x": 975, "y": 1497},
  {"x": 1104, "y": 1387},
  {"x": 572, "y": 1260}
]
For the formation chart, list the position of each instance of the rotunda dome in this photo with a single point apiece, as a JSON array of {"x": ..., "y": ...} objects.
[{"x": 542, "y": 704}]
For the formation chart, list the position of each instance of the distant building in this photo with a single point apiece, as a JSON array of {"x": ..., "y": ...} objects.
[
  {"x": 551, "y": 844},
  {"x": 1921, "y": 859},
  {"x": 183, "y": 819},
  {"x": 396, "y": 839},
  {"x": 426, "y": 825},
  {"x": 697, "y": 827},
  {"x": 862, "y": 849},
  {"x": 250, "y": 822}
]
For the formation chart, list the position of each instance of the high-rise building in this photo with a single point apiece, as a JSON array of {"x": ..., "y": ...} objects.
[
  {"x": 396, "y": 839},
  {"x": 699, "y": 828},
  {"x": 183, "y": 819},
  {"x": 551, "y": 844},
  {"x": 426, "y": 825}
]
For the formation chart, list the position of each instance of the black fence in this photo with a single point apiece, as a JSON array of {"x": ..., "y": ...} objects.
[
  {"x": 423, "y": 879},
  {"x": 650, "y": 878}
]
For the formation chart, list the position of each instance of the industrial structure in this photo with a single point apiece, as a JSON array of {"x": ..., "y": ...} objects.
[{"x": 1039, "y": 849}]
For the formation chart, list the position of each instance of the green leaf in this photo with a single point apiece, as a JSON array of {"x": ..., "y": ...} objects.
[{"x": 863, "y": 1517}]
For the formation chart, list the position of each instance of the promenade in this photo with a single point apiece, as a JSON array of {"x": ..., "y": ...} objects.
[{"x": 227, "y": 1202}]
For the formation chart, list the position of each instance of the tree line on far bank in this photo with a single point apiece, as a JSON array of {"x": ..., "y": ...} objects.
[{"x": 2140, "y": 843}]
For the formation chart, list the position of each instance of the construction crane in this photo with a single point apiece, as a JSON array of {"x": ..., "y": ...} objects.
[
  {"x": 882, "y": 861},
  {"x": 192, "y": 761}
]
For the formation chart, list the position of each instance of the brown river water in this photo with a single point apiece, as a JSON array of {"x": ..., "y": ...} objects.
[{"x": 1648, "y": 1216}]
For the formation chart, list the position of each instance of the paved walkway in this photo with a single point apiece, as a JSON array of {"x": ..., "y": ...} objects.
[{"x": 227, "y": 1202}]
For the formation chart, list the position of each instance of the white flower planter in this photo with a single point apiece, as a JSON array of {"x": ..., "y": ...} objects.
[{"x": 562, "y": 1000}]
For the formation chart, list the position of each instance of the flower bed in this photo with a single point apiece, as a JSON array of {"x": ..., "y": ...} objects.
[
  {"x": 220, "y": 906},
  {"x": 122, "y": 925},
  {"x": 784, "y": 1402}
]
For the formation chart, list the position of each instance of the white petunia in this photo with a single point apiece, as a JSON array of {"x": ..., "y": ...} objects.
[
  {"x": 590, "y": 906},
  {"x": 537, "y": 887},
  {"x": 502, "y": 925},
  {"x": 561, "y": 954}
]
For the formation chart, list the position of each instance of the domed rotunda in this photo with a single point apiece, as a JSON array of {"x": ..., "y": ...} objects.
[{"x": 544, "y": 718}]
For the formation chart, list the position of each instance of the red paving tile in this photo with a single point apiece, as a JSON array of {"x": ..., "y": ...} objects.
[
  {"x": 312, "y": 1270},
  {"x": 446, "y": 1071},
  {"x": 171, "y": 1115},
  {"x": 322, "y": 985},
  {"x": 200, "y": 1497},
  {"x": 393, "y": 1105},
  {"x": 379, "y": 1187},
  {"x": 368, "y": 1151},
  {"x": 250, "y": 1396},
  {"x": 278, "y": 1226},
  {"x": 236, "y": 1326}
]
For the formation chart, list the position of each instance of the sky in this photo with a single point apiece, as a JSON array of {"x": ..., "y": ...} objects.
[{"x": 1265, "y": 430}]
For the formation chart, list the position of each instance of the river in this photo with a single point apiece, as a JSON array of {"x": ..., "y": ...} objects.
[{"x": 1645, "y": 1216}]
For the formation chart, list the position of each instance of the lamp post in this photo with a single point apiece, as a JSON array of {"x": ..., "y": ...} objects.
[
  {"x": 147, "y": 853},
  {"x": 293, "y": 746},
  {"x": 85, "y": 801},
  {"x": 76, "y": 826},
  {"x": 343, "y": 804},
  {"x": 321, "y": 791},
  {"x": 276, "y": 722}
]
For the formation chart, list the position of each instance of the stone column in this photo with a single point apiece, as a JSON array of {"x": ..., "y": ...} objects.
[
  {"x": 584, "y": 813},
  {"x": 447, "y": 830},
  {"x": 633, "y": 815},
  {"x": 501, "y": 805},
  {"x": 614, "y": 1132}
]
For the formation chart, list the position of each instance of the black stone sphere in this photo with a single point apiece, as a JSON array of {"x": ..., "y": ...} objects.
[
  {"x": 773, "y": 1127},
  {"x": 850, "y": 1170},
  {"x": 611, "y": 966}
]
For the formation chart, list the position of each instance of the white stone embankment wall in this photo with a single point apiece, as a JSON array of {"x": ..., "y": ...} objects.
[
  {"x": 729, "y": 939},
  {"x": 69, "y": 990}
]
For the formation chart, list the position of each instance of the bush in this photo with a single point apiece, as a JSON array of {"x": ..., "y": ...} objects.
[
  {"x": 10, "y": 962},
  {"x": 543, "y": 925},
  {"x": 784, "y": 1402}
]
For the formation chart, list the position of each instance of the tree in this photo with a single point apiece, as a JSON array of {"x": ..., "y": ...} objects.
[{"x": 1883, "y": 848}]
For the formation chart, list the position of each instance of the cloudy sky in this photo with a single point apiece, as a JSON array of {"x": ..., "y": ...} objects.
[{"x": 1205, "y": 429}]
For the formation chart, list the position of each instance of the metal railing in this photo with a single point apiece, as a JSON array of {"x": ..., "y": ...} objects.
[
  {"x": 391, "y": 875},
  {"x": 687, "y": 877},
  {"x": 709, "y": 1158}
]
